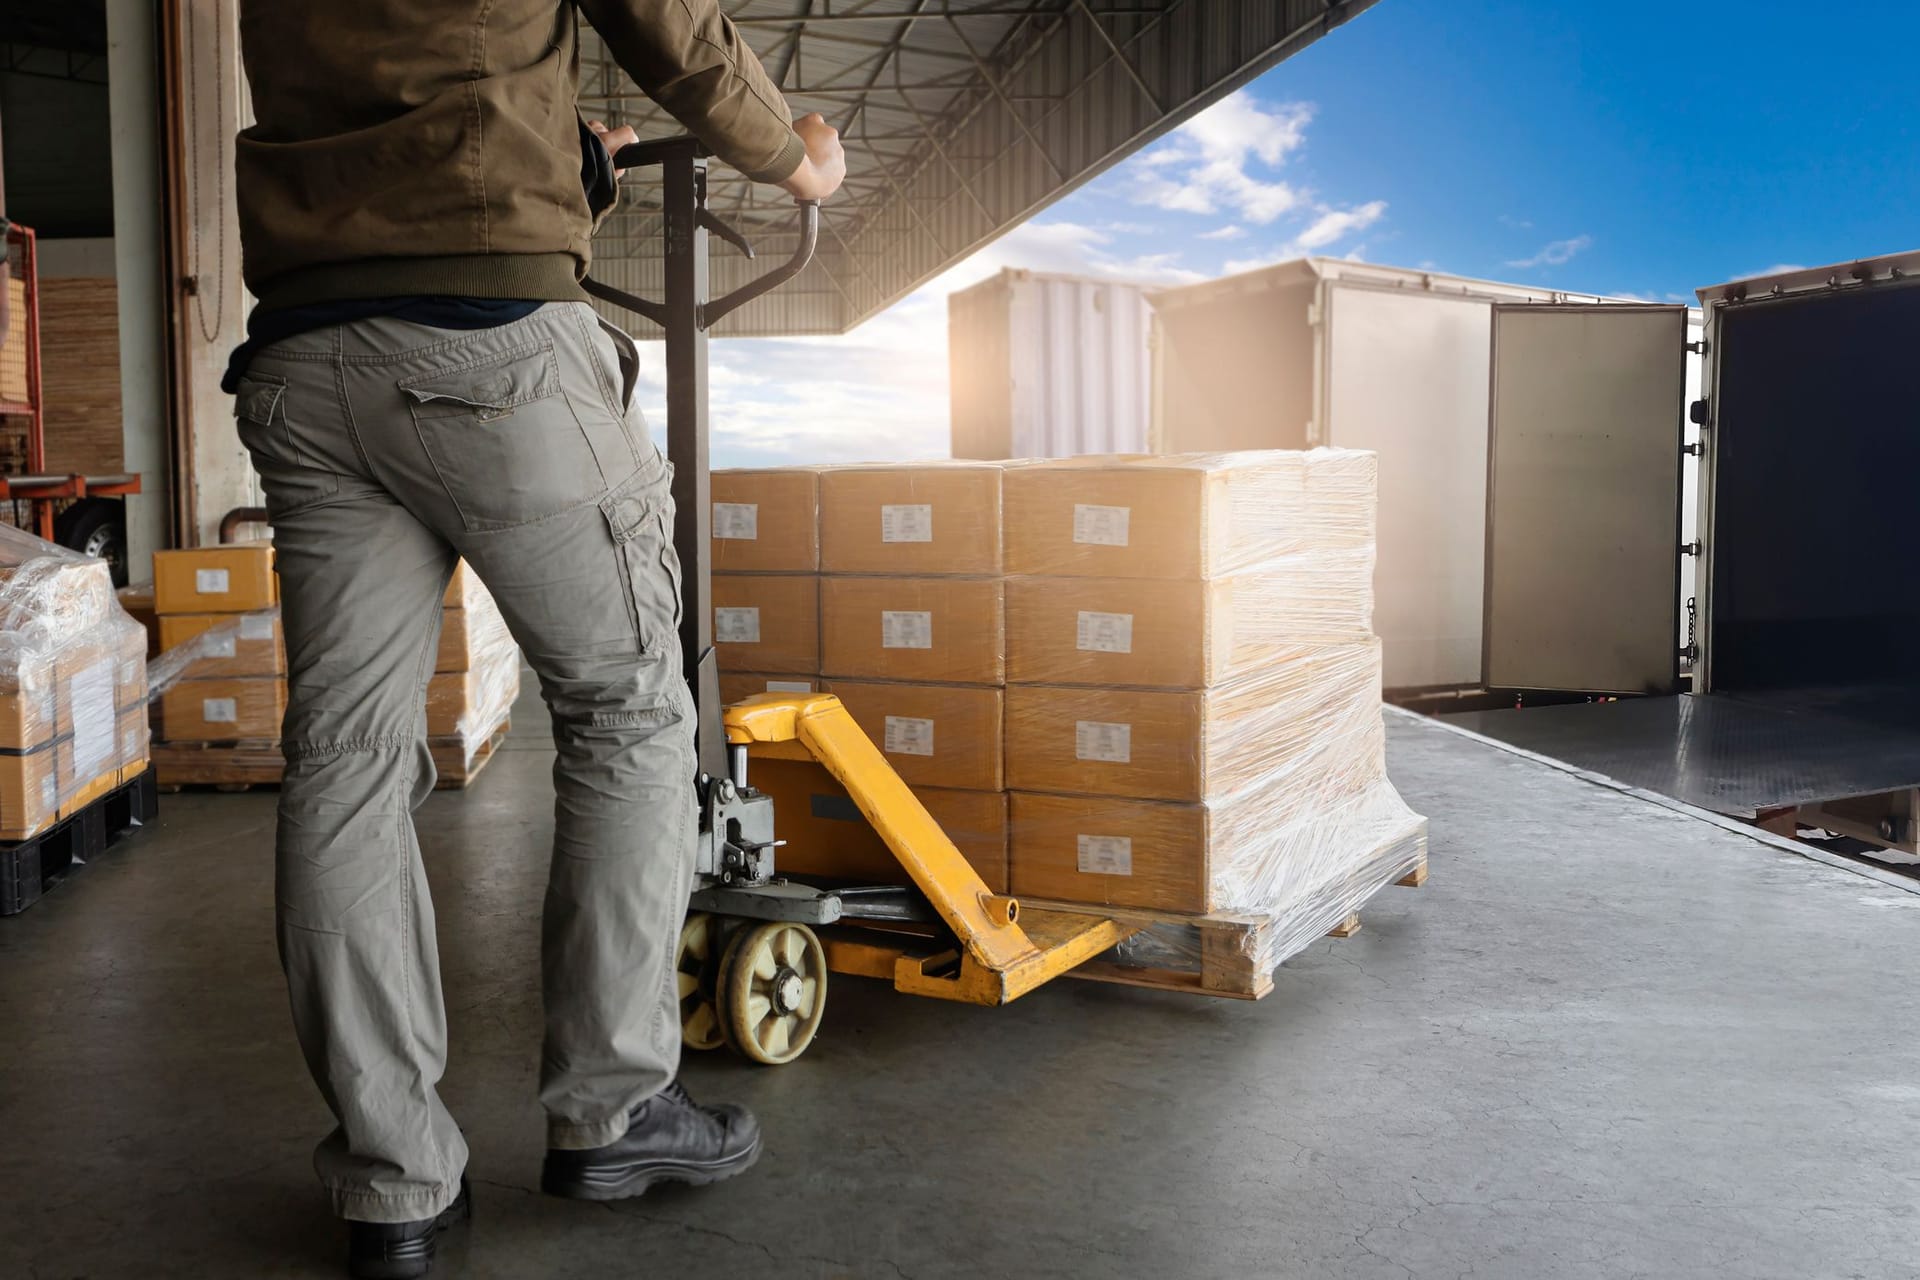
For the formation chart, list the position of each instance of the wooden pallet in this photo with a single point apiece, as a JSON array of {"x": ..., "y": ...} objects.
[
  {"x": 457, "y": 771},
  {"x": 242, "y": 766},
  {"x": 1217, "y": 955}
]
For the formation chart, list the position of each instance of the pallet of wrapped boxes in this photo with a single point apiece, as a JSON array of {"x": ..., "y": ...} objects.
[
  {"x": 1194, "y": 734},
  {"x": 880, "y": 584},
  {"x": 221, "y": 678},
  {"x": 73, "y": 716}
]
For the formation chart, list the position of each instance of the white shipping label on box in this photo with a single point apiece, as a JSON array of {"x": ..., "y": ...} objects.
[
  {"x": 220, "y": 710},
  {"x": 92, "y": 720},
  {"x": 1099, "y": 740},
  {"x": 906, "y": 630},
  {"x": 907, "y": 522},
  {"x": 737, "y": 520},
  {"x": 1106, "y": 855},
  {"x": 212, "y": 582},
  {"x": 1101, "y": 526},
  {"x": 736, "y": 626},
  {"x": 907, "y": 736},
  {"x": 1105, "y": 632},
  {"x": 256, "y": 626},
  {"x": 789, "y": 686},
  {"x": 220, "y": 643}
]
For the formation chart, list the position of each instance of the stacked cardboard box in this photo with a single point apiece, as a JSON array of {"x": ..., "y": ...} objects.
[
  {"x": 222, "y": 676},
  {"x": 224, "y": 602},
  {"x": 766, "y": 580},
  {"x": 883, "y": 588},
  {"x": 1193, "y": 712},
  {"x": 72, "y": 685},
  {"x": 476, "y": 678}
]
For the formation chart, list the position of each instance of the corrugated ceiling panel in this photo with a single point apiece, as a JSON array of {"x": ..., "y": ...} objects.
[{"x": 962, "y": 118}]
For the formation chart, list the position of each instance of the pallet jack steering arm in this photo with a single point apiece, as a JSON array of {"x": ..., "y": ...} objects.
[
  {"x": 686, "y": 314},
  {"x": 1001, "y": 951}
]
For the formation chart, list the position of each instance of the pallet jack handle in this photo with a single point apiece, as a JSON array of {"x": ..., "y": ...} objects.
[
  {"x": 685, "y": 315},
  {"x": 707, "y": 314}
]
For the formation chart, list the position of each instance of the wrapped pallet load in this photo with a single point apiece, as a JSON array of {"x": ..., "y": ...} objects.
[
  {"x": 1193, "y": 705},
  {"x": 73, "y": 685}
]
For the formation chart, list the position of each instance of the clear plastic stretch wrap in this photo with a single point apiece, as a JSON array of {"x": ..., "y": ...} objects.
[
  {"x": 73, "y": 684},
  {"x": 1193, "y": 718},
  {"x": 472, "y": 694}
]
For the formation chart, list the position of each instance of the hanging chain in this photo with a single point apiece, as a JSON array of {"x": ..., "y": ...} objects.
[{"x": 197, "y": 282}]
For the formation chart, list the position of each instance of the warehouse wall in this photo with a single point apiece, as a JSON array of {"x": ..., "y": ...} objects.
[
  {"x": 207, "y": 103},
  {"x": 134, "y": 90}
]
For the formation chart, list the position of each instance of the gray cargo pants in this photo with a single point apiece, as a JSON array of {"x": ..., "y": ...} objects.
[{"x": 386, "y": 448}]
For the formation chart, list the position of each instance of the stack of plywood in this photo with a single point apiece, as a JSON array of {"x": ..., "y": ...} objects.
[
  {"x": 1193, "y": 710},
  {"x": 72, "y": 686},
  {"x": 13, "y": 350}
]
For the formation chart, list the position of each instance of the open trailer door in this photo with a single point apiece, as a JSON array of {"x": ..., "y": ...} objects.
[{"x": 1583, "y": 502}]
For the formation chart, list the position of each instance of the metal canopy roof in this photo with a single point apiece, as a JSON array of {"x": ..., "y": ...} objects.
[{"x": 961, "y": 119}]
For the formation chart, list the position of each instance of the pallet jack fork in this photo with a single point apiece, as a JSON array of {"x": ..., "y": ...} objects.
[{"x": 757, "y": 948}]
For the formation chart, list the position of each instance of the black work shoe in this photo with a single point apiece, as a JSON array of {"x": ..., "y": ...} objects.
[
  {"x": 402, "y": 1250},
  {"x": 671, "y": 1139}
]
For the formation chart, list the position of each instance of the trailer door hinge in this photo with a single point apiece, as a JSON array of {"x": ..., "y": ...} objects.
[
  {"x": 1697, "y": 413},
  {"x": 1691, "y": 548},
  {"x": 1698, "y": 348},
  {"x": 1691, "y": 653},
  {"x": 1696, "y": 449}
]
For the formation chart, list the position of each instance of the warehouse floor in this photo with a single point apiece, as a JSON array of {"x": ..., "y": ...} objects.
[{"x": 1605, "y": 1040}]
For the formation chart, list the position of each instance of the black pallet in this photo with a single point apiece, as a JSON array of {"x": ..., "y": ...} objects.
[{"x": 28, "y": 868}]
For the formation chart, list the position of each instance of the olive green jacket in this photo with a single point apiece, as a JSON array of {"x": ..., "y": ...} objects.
[{"x": 432, "y": 146}]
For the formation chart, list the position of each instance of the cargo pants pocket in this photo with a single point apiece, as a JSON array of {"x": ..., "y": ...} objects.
[
  {"x": 291, "y": 475},
  {"x": 503, "y": 436},
  {"x": 640, "y": 518}
]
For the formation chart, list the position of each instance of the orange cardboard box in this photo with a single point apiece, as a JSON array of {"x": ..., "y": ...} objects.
[
  {"x": 246, "y": 644},
  {"x": 930, "y": 518},
  {"x": 766, "y": 520},
  {"x": 233, "y": 578},
  {"x": 934, "y": 735},
  {"x": 940, "y": 630},
  {"x": 767, "y": 622},
  {"x": 827, "y": 836}
]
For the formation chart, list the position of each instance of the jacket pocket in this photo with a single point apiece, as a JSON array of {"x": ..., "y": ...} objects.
[
  {"x": 268, "y": 424},
  {"x": 504, "y": 438},
  {"x": 640, "y": 518}
]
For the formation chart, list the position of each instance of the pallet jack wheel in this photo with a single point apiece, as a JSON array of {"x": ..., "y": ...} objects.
[
  {"x": 773, "y": 991},
  {"x": 697, "y": 965}
]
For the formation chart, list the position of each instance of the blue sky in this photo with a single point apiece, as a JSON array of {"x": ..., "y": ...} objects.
[{"x": 1620, "y": 148}]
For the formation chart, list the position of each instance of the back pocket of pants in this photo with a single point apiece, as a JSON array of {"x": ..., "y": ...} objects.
[
  {"x": 292, "y": 477},
  {"x": 504, "y": 438}
]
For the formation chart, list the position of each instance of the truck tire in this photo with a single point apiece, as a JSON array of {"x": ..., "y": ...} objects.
[{"x": 96, "y": 527}]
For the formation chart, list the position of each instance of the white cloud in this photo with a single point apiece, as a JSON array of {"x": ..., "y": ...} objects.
[
  {"x": 1518, "y": 224},
  {"x": 1777, "y": 269},
  {"x": 1232, "y": 231},
  {"x": 1337, "y": 224},
  {"x": 1556, "y": 253},
  {"x": 1202, "y": 167},
  {"x": 1328, "y": 227}
]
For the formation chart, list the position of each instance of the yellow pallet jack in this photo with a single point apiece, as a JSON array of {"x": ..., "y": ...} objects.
[{"x": 757, "y": 948}]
